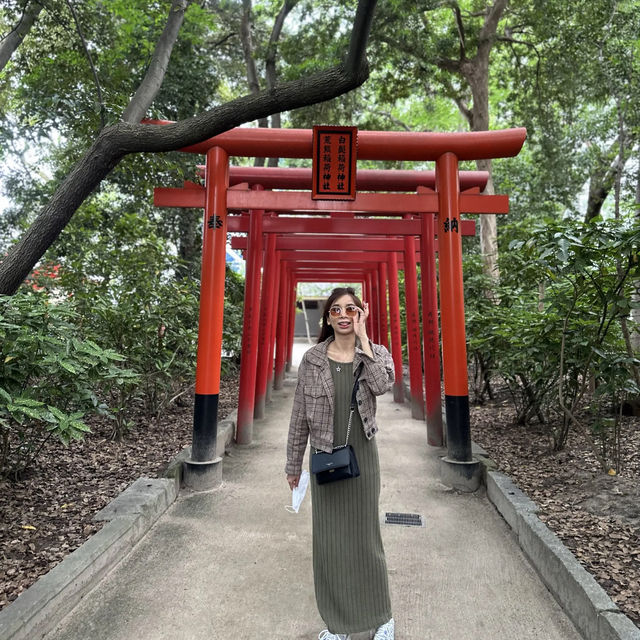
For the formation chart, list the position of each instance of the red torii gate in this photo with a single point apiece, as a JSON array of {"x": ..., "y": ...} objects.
[
  {"x": 432, "y": 365},
  {"x": 313, "y": 265},
  {"x": 458, "y": 467},
  {"x": 249, "y": 397},
  {"x": 293, "y": 246},
  {"x": 366, "y": 179},
  {"x": 344, "y": 224}
]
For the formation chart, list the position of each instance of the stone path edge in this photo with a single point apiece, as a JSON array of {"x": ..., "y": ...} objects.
[
  {"x": 592, "y": 611},
  {"x": 129, "y": 516}
]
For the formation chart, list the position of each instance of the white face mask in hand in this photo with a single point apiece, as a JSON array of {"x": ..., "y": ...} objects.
[{"x": 297, "y": 495}]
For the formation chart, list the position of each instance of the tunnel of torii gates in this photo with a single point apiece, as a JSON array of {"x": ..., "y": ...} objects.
[{"x": 292, "y": 237}]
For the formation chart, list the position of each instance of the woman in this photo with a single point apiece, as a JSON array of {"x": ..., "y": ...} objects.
[{"x": 349, "y": 567}]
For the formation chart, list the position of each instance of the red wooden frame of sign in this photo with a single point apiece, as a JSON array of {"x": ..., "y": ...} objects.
[{"x": 334, "y": 163}]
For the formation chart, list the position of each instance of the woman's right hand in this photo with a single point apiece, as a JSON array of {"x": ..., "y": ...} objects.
[{"x": 293, "y": 480}]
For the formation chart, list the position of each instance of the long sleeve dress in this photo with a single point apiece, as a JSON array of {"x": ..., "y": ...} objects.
[{"x": 349, "y": 566}]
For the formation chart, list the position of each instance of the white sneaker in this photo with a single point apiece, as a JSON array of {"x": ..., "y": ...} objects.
[
  {"x": 327, "y": 635},
  {"x": 386, "y": 631}
]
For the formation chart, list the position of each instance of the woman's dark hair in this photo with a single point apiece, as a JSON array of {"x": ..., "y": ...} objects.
[{"x": 326, "y": 329}]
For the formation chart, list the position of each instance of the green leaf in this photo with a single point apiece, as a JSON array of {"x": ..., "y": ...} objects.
[
  {"x": 81, "y": 426},
  {"x": 27, "y": 411},
  {"x": 67, "y": 366},
  {"x": 57, "y": 413},
  {"x": 28, "y": 402}
]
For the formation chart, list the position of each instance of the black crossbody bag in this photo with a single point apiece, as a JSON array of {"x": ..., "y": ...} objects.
[{"x": 341, "y": 463}]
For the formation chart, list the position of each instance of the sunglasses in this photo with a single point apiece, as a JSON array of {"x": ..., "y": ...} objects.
[{"x": 351, "y": 311}]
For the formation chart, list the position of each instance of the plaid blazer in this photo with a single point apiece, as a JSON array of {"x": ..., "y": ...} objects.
[{"x": 312, "y": 414}]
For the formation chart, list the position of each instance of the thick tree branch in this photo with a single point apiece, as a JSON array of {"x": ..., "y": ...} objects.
[
  {"x": 490, "y": 26},
  {"x": 460, "y": 27},
  {"x": 150, "y": 85},
  {"x": 272, "y": 47},
  {"x": 458, "y": 97},
  {"x": 116, "y": 141},
  {"x": 359, "y": 37},
  {"x": 14, "y": 38},
  {"x": 450, "y": 65},
  {"x": 464, "y": 109}
]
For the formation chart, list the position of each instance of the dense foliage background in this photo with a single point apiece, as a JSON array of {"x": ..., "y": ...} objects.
[{"x": 108, "y": 321}]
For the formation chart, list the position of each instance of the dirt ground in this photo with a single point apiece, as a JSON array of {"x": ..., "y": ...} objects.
[
  {"x": 596, "y": 515},
  {"x": 47, "y": 515}
]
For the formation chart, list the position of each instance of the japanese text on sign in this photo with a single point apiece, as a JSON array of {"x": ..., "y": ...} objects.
[{"x": 334, "y": 163}]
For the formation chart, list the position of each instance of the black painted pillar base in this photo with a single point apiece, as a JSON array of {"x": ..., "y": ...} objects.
[
  {"x": 458, "y": 428},
  {"x": 458, "y": 469},
  {"x": 203, "y": 470},
  {"x": 205, "y": 427},
  {"x": 202, "y": 476},
  {"x": 461, "y": 476}
]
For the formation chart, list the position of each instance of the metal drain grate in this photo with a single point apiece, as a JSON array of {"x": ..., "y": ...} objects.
[{"x": 405, "y": 519}]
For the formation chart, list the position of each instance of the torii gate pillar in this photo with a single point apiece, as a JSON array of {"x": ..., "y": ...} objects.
[
  {"x": 203, "y": 470},
  {"x": 458, "y": 469}
]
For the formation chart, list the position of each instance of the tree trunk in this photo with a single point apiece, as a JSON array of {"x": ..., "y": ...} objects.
[
  {"x": 635, "y": 295},
  {"x": 85, "y": 176},
  {"x": 123, "y": 138},
  {"x": 270, "y": 61},
  {"x": 603, "y": 178},
  {"x": 14, "y": 38},
  {"x": 477, "y": 74},
  {"x": 252, "y": 72},
  {"x": 489, "y": 234}
]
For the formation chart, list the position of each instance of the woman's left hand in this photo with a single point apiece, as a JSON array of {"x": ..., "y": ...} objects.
[{"x": 360, "y": 323}]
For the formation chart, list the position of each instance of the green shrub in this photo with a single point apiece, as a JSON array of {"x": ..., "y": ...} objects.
[
  {"x": 126, "y": 284},
  {"x": 555, "y": 336},
  {"x": 50, "y": 376},
  {"x": 233, "y": 322}
]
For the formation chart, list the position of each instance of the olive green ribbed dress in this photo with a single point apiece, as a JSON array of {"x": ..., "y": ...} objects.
[{"x": 349, "y": 567}]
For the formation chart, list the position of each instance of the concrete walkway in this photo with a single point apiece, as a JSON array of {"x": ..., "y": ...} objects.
[{"x": 234, "y": 564}]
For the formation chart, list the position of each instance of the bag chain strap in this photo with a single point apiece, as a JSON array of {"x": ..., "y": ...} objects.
[
  {"x": 353, "y": 404},
  {"x": 352, "y": 408}
]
